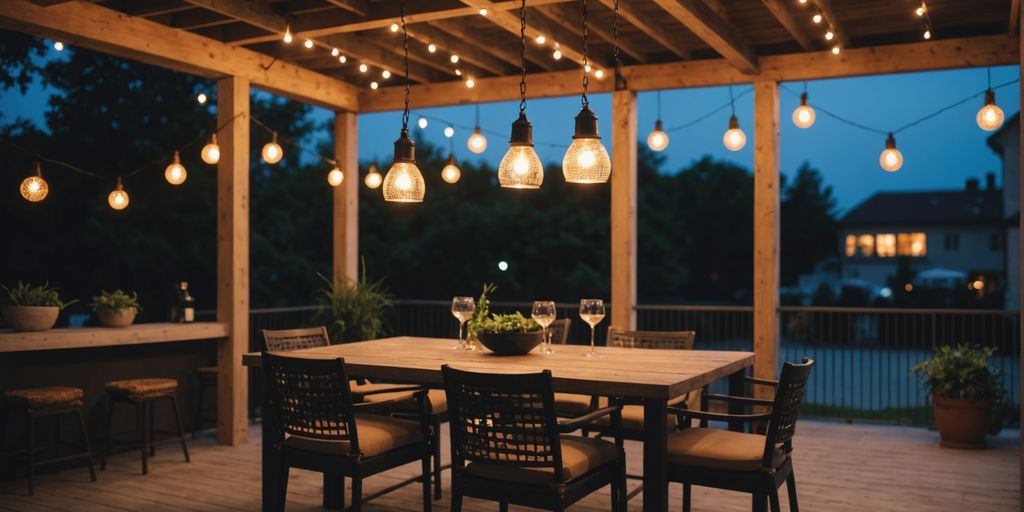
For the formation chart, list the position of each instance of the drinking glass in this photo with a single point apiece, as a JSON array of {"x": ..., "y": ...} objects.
[
  {"x": 544, "y": 313},
  {"x": 462, "y": 310},
  {"x": 592, "y": 312}
]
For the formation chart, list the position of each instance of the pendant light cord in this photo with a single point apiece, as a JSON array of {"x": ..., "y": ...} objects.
[
  {"x": 477, "y": 115},
  {"x": 405, "y": 67},
  {"x": 659, "y": 105},
  {"x": 522, "y": 65},
  {"x": 732, "y": 102},
  {"x": 586, "y": 76},
  {"x": 989, "y": 71}
]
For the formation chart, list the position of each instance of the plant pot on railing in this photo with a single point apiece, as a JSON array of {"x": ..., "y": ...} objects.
[
  {"x": 116, "y": 318},
  {"x": 30, "y": 318},
  {"x": 962, "y": 424},
  {"x": 117, "y": 309}
]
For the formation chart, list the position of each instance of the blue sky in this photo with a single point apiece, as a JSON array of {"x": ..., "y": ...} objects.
[{"x": 940, "y": 153}]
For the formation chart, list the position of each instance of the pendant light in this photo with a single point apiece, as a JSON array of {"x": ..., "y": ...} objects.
[
  {"x": 658, "y": 139},
  {"x": 272, "y": 151},
  {"x": 118, "y": 199},
  {"x": 451, "y": 172},
  {"x": 803, "y": 116},
  {"x": 586, "y": 160},
  {"x": 404, "y": 182},
  {"x": 211, "y": 151},
  {"x": 521, "y": 167},
  {"x": 373, "y": 178},
  {"x": 175, "y": 174},
  {"x": 477, "y": 143},
  {"x": 34, "y": 188},
  {"x": 990, "y": 117},
  {"x": 891, "y": 159},
  {"x": 734, "y": 138}
]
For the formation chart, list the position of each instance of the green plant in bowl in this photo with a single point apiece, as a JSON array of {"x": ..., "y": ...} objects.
[
  {"x": 501, "y": 324},
  {"x": 32, "y": 308},
  {"x": 511, "y": 334},
  {"x": 26, "y": 295},
  {"x": 116, "y": 309}
]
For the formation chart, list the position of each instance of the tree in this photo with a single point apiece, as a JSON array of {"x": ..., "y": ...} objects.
[{"x": 809, "y": 227}]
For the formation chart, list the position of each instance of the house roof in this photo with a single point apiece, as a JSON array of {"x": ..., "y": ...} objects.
[
  {"x": 928, "y": 207},
  {"x": 995, "y": 141}
]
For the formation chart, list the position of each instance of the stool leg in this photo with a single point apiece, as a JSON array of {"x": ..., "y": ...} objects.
[
  {"x": 31, "y": 454},
  {"x": 141, "y": 410},
  {"x": 110, "y": 430},
  {"x": 85, "y": 440},
  {"x": 56, "y": 440},
  {"x": 437, "y": 456},
  {"x": 150, "y": 419},
  {"x": 197, "y": 422},
  {"x": 181, "y": 431}
]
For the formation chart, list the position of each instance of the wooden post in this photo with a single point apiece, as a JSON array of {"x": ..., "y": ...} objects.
[
  {"x": 766, "y": 228},
  {"x": 624, "y": 200},
  {"x": 346, "y": 199},
  {"x": 233, "y": 259}
]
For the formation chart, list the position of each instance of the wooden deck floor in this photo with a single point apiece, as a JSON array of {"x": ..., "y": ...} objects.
[{"x": 838, "y": 467}]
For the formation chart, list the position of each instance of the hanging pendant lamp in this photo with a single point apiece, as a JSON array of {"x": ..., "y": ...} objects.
[
  {"x": 586, "y": 160},
  {"x": 404, "y": 182},
  {"x": 521, "y": 167},
  {"x": 657, "y": 140}
]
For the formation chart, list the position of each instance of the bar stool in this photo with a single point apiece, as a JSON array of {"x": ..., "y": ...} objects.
[
  {"x": 207, "y": 377},
  {"x": 143, "y": 394},
  {"x": 54, "y": 401}
]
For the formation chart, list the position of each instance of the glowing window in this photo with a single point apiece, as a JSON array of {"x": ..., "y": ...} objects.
[
  {"x": 866, "y": 245},
  {"x": 913, "y": 244},
  {"x": 851, "y": 245},
  {"x": 885, "y": 245}
]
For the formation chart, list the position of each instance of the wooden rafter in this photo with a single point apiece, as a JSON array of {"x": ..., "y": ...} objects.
[
  {"x": 570, "y": 45},
  {"x": 508, "y": 53},
  {"x": 568, "y": 18},
  {"x": 114, "y": 33},
  {"x": 194, "y": 19},
  {"x": 713, "y": 30},
  {"x": 360, "y": 7},
  {"x": 651, "y": 26},
  {"x": 1014, "y": 17},
  {"x": 781, "y": 12},
  {"x": 486, "y": 60},
  {"x": 837, "y": 26},
  {"x": 148, "y": 8}
]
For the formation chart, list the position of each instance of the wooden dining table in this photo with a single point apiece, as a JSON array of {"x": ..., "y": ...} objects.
[{"x": 649, "y": 377}]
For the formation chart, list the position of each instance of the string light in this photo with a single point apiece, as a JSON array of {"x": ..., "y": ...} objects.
[
  {"x": 394, "y": 27},
  {"x": 927, "y": 34},
  {"x": 288, "y": 37},
  {"x": 541, "y": 39},
  {"x": 211, "y": 151},
  {"x": 374, "y": 85},
  {"x": 385, "y": 74},
  {"x": 477, "y": 143},
  {"x": 483, "y": 12},
  {"x": 817, "y": 17},
  {"x": 335, "y": 52},
  {"x": 891, "y": 159},
  {"x": 449, "y": 131},
  {"x": 734, "y": 138},
  {"x": 458, "y": 72},
  {"x": 451, "y": 172},
  {"x": 59, "y": 46},
  {"x": 201, "y": 98},
  {"x": 657, "y": 140},
  {"x": 920, "y": 10},
  {"x": 34, "y": 188},
  {"x": 557, "y": 55},
  {"x": 470, "y": 83},
  {"x": 432, "y": 48},
  {"x": 342, "y": 59},
  {"x": 308, "y": 44},
  {"x": 599, "y": 74},
  {"x": 454, "y": 58},
  {"x": 272, "y": 152},
  {"x": 835, "y": 50},
  {"x": 118, "y": 198},
  {"x": 335, "y": 177},
  {"x": 803, "y": 116},
  {"x": 404, "y": 181},
  {"x": 363, "y": 68},
  {"x": 175, "y": 174},
  {"x": 521, "y": 167},
  {"x": 422, "y": 122},
  {"x": 586, "y": 160},
  {"x": 829, "y": 35},
  {"x": 373, "y": 178},
  {"x": 990, "y": 116}
]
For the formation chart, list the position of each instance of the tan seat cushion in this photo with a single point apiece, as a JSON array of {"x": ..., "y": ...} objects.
[
  {"x": 580, "y": 455},
  {"x": 719, "y": 449},
  {"x": 142, "y": 388},
  {"x": 438, "y": 400},
  {"x": 36, "y": 398},
  {"x": 377, "y": 435},
  {"x": 572, "y": 404}
]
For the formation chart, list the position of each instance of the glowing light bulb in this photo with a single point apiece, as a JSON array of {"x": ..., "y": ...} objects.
[
  {"x": 891, "y": 159},
  {"x": 422, "y": 122},
  {"x": 373, "y": 177},
  {"x": 118, "y": 199},
  {"x": 458, "y": 72},
  {"x": 175, "y": 174},
  {"x": 201, "y": 98},
  {"x": 308, "y": 44},
  {"x": 920, "y": 10},
  {"x": 927, "y": 34},
  {"x": 335, "y": 177},
  {"x": 470, "y": 83},
  {"x": 587, "y": 68},
  {"x": 483, "y": 12},
  {"x": 288, "y": 37},
  {"x": 734, "y": 138},
  {"x": 657, "y": 140},
  {"x": 34, "y": 188},
  {"x": 432, "y": 48},
  {"x": 803, "y": 2},
  {"x": 816, "y": 18},
  {"x": 404, "y": 183},
  {"x": 599, "y": 74},
  {"x": 829, "y": 35},
  {"x": 385, "y": 74},
  {"x": 557, "y": 55},
  {"x": 520, "y": 168},
  {"x": 363, "y": 68},
  {"x": 342, "y": 59},
  {"x": 586, "y": 161},
  {"x": 454, "y": 58},
  {"x": 990, "y": 117},
  {"x": 272, "y": 152},
  {"x": 835, "y": 50},
  {"x": 803, "y": 116},
  {"x": 374, "y": 85},
  {"x": 586, "y": 158},
  {"x": 394, "y": 27},
  {"x": 59, "y": 46},
  {"x": 521, "y": 165},
  {"x": 449, "y": 131},
  {"x": 541, "y": 39},
  {"x": 211, "y": 151},
  {"x": 451, "y": 172},
  {"x": 335, "y": 52},
  {"x": 477, "y": 143}
]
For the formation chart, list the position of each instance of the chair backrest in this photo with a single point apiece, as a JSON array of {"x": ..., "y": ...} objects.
[
  {"x": 559, "y": 331},
  {"x": 311, "y": 398},
  {"x": 503, "y": 419},
  {"x": 789, "y": 395},
  {"x": 295, "y": 339},
  {"x": 679, "y": 340}
]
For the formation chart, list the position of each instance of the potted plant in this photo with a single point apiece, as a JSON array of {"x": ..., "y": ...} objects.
[
  {"x": 117, "y": 309},
  {"x": 508, "y": 335},
  {"x": 353, "y": 311},
  {"x": 963, "y": 389},
  {"x": 32, "y": 308}
]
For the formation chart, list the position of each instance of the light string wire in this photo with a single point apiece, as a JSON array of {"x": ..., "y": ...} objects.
[
  {"x": 293, "y": 143},
  {"x": 730, "y": 103}
]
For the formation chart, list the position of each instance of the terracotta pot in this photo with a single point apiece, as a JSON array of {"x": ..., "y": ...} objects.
[
  {"x": 962, "y": 424},
  {"x": 30, "y": 318},
  {"x": 119, "y": 318},
  {"x": 512, "y": 343}
]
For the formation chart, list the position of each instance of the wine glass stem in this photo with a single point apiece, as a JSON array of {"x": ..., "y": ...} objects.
[
  {"x": 462, "y": 343},
  {"x": 592, "y": 339}
]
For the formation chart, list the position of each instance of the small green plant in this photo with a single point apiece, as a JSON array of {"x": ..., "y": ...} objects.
[
  {"x": 115, "y": 302},
  {"x": 483, "y": 309},
  {"x": 962, "y": 372},
  {"x": 27, "y": 295},
  {"x": 353, "y": 311},
  {"x": 501, "y": 324}
]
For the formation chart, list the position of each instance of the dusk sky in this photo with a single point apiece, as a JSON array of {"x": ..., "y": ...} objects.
[{"x": 940, "y": 153}]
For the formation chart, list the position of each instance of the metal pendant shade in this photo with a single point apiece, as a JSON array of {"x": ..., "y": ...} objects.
[
  {"x": 521, "y": 167},
  {"x": 586, "y": 160}
]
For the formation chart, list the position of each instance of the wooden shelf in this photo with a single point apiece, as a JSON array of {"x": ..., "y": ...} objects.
[{"x": 88, "y": 337}]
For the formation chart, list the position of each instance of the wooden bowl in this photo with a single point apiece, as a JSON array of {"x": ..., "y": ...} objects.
[{"x": 511, "y": 343}]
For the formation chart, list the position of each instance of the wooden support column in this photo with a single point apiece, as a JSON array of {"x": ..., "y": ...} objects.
[
  {"x": 233, "y": 259},
  {"x": 346, "y": 199},
  {"x": 624, "y": 208},
  {"x": 766, "y": 228}
]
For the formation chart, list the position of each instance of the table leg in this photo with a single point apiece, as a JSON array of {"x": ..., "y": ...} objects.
[
  {"x": 269, "y": 437},
  {"x": 655, "y": 451},
  {"x": 737, "y": 387}
]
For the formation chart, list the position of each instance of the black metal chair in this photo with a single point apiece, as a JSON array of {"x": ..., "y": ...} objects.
[
  {"x": 739, "y": 461},
  {"x": 507, "y": 445},
  {"x": 323, "y": 429}
]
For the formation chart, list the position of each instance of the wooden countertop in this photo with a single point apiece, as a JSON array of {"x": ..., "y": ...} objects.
[{"x": 88, "y": 337}]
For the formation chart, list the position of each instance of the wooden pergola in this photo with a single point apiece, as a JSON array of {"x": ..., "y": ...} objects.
[{"x": 665, "y": 44}]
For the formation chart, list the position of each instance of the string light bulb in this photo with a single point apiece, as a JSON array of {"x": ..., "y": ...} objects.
[
  {"x": 118, "y": 198},
  {"x": 454, "y": 58},
  {"x": 734, "y": 138},
  {"x": 449, "y": 131},
  {"x": 363, "y": 68},
  {"x": 470, "y": 83},
  {"x": 34, "y": 188},
  {"x": 477, "y": 143},
  {"x": 374, "y": 85},
  {"x": 835, "y": 50},
  {"x": 657, "y": 140},
  {"x": 272, "y": 152},
  {"x": 394, "y": 27},
  {"x": 817, "y": 17},
  {"x": 59, "y": 46},
  {"x": 211, "y": 151},
  {"x": 422, "y": 123},
  {"x": 927, "y": 34},
  {"x": 920, "y": 10},
  {"x": 335, "y": 52},
  {"x": 175, "y": 174},
  {"x": 432, "y": 48},
  {"x": 557, "y": 55},
  {"x": 342, "y": 59},
  {"x": 541, "y": 39},
  {"x": 803, "y": 116},
  {"x": 201, "y": 98},
  {"x": 483, "y": 12},
  {"x": 288, "y": 37},
  {"x": 891, "y": 159},
  {"x": 373, "y": 178},
  {"x": 451, "y": 172},
  {"x": 308, "y": 44},
  {"x": 599, "y": 74},
  {"x": 829, "y": 35},
  {"x": 335, "y": 177},
  {"x": 385, "y": 74},
  {"x": 990, "y": 116}
]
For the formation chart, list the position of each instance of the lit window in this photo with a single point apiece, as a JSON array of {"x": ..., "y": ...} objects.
[
  {"x": 851, "y": 245},
  {"x": 913, "y": 244},
  {"x": 885, "y": 245},
  {"x": 866, "y": 245}
]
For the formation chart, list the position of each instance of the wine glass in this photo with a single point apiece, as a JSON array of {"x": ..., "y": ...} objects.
[
  {"x": 544, "y": 313},
  {"x": 462, "y": 310},
  {"x": 592, "y": 312}
]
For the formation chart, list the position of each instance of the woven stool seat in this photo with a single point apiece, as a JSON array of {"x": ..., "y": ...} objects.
[
  {"x": 36, "y": 398},
  {"x": 141, "y": 388},
  {"x": 207, "y": 371}
]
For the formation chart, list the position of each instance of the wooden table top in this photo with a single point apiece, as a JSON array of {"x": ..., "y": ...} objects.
[
  {"x": 639, "y": 373},
  {"x": 89, "y": 337}
]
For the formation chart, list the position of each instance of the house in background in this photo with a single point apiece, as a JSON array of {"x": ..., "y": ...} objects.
[
  {"x": 1006, "y": 143},
  {"x": 939, "y": 236}
]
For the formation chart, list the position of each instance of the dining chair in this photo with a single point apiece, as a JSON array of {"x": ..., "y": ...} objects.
[
  {"x": 739, "y": 461},
  {"x": 323, "y": 428},
  {"x": 508, "y": 446}
]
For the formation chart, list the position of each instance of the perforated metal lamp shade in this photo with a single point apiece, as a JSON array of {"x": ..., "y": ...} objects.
[
  {"x": 521, "y": 167},
  {"x": 404, "y": 182},
  {"x": 586, "y": 160}
]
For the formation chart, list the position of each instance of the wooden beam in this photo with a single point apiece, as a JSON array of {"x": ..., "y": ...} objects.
[
  {"x": 651, "y": 26},
  {"x": 781, "y": 12},
  {"x": 1014, "y": 17},
  {"x": 570, "y": 45},
  {"x": 714, "y": 31},
  {"x": 900, "y": 58},
  {"x": 233, "y": 259},
  {"x": 360, "y": 7},
  {"x": 478, "y": 55},
  {"x": 766, "y": 229},
  {"x": 568, "y": 18},
  {"x": 345, "y": 255},
  {"x": 837, "y": 26},
  {"x": 98, "y": 28},
  {"x": 506, "y": 52},
  {"x": 624, "y": 209}
]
